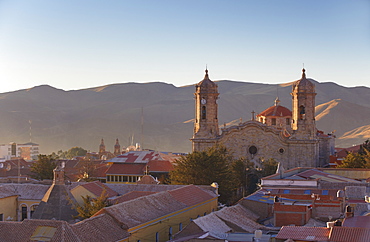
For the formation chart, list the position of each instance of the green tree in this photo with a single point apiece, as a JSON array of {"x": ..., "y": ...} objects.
[
  {"x": 204, "y": 168},
  {"x": 269, "y": 167},
  {"x": 87, "y": 170},
  {"x": 91, "y": 205},
  {"x": 361, "y": 159},
  {"x": 43, "y": 167},
  {"x": 75, "y": 151},
  {"x": 353, "y": 160}
]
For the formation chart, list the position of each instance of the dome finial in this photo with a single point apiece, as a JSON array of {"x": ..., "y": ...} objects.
[
  {"x": 206, "y": 76},
  {"x": 277, "y": 101},
  {"x": 303, "y": 73}
]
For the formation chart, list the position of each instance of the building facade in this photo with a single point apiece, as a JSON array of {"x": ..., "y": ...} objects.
[
  {"x": 28, "y": 151},
  {"x": 289, "y": 137}
]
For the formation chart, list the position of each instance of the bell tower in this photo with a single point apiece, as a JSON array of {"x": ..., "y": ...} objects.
[
  {"x": 206, "y": 121},
  {"x": 102, "y": 147},
  {"x": 303, "y": 108}
]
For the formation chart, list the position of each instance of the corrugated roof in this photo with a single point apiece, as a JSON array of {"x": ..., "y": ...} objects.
[
  {"x": 262, "y": 196},
  {"x": 323, "y": 176},
  {"x": 303, "y": 233},
  {"x": 136, "y": 157}
]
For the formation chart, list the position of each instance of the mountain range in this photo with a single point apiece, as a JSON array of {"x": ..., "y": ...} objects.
[{"x": 160, "y": 116}]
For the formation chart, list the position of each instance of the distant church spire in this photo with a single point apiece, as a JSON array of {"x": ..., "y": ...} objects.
[
  {"x": 102, "y": 147},
  {"x": 117, "y": 148}
]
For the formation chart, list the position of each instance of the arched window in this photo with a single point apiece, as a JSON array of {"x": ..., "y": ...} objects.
[{"x": 204, "y": 112}]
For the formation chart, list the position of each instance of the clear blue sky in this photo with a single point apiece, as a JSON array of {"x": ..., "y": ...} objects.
[{"x": 74, "y": 44}]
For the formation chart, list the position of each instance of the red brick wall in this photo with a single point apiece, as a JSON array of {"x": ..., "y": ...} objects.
[{"x": 291, "y": 214}]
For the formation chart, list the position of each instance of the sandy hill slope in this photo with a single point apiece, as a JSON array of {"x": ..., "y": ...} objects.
[{"x": 159, "y": 115}]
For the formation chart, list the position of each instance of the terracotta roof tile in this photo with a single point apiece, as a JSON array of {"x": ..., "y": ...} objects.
[
  {"x": 97, "y": 189},
  {"x": 100, "y": 228},
  {"x": 23, "y": 231},
  {"x": 156, "y": 205},
  {"x": 346, "y": 234},
  {"x": 130, "y": 196},
  {"x": 126, "y": 169},
  {"x": 357, "y": 221},
  {"x": 160, "y": 166},
  {"x": 303, "y": 233},
  {"x": 126, "y": 188},
  {"x": 276, "y": 111},
  {"x": 131, "y": 213},
  {"x": 190, "y": 195}
]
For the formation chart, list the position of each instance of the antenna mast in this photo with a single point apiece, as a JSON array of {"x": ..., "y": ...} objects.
[
  {"x": 30, "y": 122},
  {"x": 142, "y": 128}
]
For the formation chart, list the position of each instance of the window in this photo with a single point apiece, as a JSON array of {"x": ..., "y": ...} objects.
[
  {"x": 170, "y": 233},
  {"x": 281, "y": 151},
  {"x": 286, "y": 191},
  {"x": 307, "y": 192},
  {"x": 325, "y": 192},
  {"x": 157, "y": 237},
  {"x": 204, "y": 112},
  {"x": 24, "y": 212},
  {"x": 273, "y": 121},
  {"x": 180, "y": 226},
  {"x": 287, "y": 121},
  {"x": 252, "y": 150},
  {"x": 1, "y": 217}
]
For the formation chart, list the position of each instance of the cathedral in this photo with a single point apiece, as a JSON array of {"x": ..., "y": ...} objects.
[{"x": 288, "y": 136}]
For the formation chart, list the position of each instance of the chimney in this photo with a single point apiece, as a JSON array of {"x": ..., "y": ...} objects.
[
  {"x": 349, "y": 212},
  {"x": 58, "y": 176}
]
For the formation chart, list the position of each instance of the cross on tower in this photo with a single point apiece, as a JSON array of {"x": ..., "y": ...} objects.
[{"x": 253, "y": 112}]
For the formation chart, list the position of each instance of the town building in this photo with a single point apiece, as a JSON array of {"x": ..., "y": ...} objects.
[
  {"x": 28, "y": 151},
  {"x": 289, "y": 137}
]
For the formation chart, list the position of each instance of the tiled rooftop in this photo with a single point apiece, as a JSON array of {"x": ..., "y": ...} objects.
[
  {"x": 97, "y": 188},
  {"x": 304, "y": 233}
]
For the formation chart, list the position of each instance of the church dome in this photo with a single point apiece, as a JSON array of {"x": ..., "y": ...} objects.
[
  {"x": 276, "y": 110},
  {"x": 206, "y": 82},
  {"x": 303, "y": 84}
]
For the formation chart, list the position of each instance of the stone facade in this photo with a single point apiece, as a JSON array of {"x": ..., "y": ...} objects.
[{"x": 288, "y": 137}]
